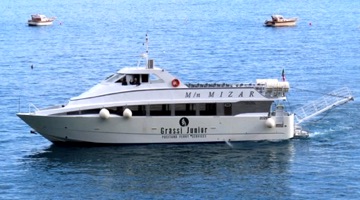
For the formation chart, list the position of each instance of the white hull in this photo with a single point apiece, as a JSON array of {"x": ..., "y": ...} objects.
[
  {"x": 31, "y": 23},
  {"x": 143, "y": 130},
  {"x": 280, "y": 24}
]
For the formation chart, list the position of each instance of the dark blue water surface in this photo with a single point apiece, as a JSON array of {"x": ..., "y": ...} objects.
[{"x": 198, "y": 41}]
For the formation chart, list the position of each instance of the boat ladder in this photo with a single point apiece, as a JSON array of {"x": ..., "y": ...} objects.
[{"x": 325, "y": 103}]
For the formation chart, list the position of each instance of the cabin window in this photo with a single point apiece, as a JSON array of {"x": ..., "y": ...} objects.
[
  {"x": 155, "y": 79},
  {"x": 251, "y": 107},
  {"x": 114, "y": 78},
  {"x": 133, "y": 79},
  {"x": 118, "y": 110},
  {"x": 185, "y": 109},
  {"x": 137, "y": 110},
  {"x": 160, "y": 110},
  {"x": 207, "y": 109},
  {"x": 227, "y": 109},
  {"x": 92, "y": 111},
  {"x": 122, "y": 80},
  {"x": 144, "y": 78},
  {"x": 73, "y": 113}
]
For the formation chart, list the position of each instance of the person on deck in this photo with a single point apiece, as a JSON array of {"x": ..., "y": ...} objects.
[{"x": 135, "y": 82}]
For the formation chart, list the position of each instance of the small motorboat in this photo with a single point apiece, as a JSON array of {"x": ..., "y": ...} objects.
[
  {"x": 279, "y": 21},
  {"x": 40, "y": 20}
]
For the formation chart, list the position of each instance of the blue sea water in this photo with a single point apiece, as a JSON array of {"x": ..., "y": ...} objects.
[{"x": 198, "y": 41}]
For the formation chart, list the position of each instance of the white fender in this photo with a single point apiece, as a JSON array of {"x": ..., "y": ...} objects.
[
  {"x": 270, "y": 123},
  {"x": 127, "y": 113},
  {"x": 104, "y": 113}
]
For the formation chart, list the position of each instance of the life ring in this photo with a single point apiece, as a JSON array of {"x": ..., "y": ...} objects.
[{"x": 175, "y": 82}]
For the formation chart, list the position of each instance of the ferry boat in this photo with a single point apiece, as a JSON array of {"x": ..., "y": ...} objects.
[
  {"x": 40, "y": 20},
  {"x": 147, "y": 104}
]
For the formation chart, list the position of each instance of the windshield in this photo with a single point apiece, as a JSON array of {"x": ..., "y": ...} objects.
[{"x": 113, "y": 78}]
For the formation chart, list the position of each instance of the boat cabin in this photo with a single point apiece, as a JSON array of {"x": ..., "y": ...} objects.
[
  {"x": 38, "y": 18},
  {"x": 277, "y": 18},
  {"x": 144, "y": 75}
]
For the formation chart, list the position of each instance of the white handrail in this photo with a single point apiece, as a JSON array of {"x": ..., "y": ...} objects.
[
  {"x": 327, "y": 102},
  {"x": 32, "y": 106}
]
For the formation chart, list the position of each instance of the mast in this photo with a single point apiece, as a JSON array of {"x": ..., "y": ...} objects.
[
  {"x": 147, "y": 44},
  {"x": 149, "y": 63},
  {"x": 146, "y": 54}
]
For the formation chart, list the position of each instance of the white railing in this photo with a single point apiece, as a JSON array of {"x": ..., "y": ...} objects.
[
  {"x": 327, "y": 102},
  {"x": 218, "y": 85},
  {"x": 32, "y": 107}
]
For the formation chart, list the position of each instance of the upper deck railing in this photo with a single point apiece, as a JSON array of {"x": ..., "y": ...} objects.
[
  {"x": 267, "y": 89},
  {"x": 221, "y": 85}
]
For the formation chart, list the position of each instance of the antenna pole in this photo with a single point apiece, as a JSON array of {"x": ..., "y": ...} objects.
[
  {"x": 147, "y": 50},
  {"x": 147, "y": 43}
]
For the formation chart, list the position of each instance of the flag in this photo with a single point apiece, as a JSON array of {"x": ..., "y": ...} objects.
[{"x": 283, "y": 75}]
